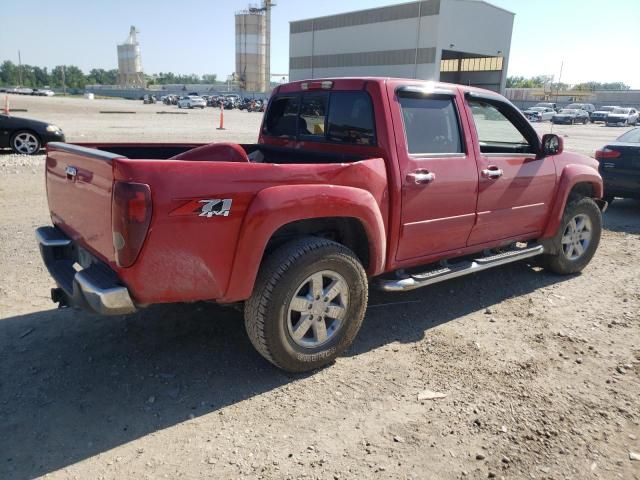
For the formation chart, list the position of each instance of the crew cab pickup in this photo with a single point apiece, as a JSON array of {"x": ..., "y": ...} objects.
[{"x": 354, "y": 182}]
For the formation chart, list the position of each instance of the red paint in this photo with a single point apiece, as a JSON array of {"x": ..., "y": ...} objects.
[{"x": 188, "y": 257}]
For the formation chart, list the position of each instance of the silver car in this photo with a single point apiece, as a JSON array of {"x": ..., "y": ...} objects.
[
  {"x": 539, "y": 114},
  {"x": 622, "y": 116},
  {"x": 192, "y": 101}
]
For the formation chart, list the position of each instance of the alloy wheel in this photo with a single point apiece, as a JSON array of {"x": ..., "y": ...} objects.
[
  {"x": 577, "y": 236},
  {"x": 26, "y": 143},
  {"x": 317, "y": 310}
]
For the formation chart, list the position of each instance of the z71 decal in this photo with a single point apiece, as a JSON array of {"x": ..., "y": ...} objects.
[
  {"x": 207, "y": 207},
  {"x": 219, "y": 206}
]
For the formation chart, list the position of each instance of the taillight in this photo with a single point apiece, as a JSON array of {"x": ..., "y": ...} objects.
[
  {"x": 607, "y": 154},
  {"x": 130, "y": 219}
]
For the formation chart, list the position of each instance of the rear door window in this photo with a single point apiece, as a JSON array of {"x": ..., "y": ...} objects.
[{"x": 431, "y": 125}]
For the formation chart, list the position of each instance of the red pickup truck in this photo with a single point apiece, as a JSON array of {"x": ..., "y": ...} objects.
[{"x": 354, "y": 182}]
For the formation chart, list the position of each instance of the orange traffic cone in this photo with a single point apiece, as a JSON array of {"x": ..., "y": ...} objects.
[
  {"x": 6, "y": 104},
  {"x": 221, "y": 127}
]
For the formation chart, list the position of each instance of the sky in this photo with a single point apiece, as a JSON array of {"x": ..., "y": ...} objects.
[{"x": 197, "y": 36}]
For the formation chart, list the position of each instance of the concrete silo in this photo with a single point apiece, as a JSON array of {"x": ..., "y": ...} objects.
[
  {"x": 253, "y": 39},
  {"x": 130, "y": 62}
]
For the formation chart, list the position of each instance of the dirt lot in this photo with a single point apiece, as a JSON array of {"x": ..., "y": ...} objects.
[{"x": 541, "y": 373}]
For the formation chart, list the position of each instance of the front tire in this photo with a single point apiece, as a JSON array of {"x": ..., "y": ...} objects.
[
  {"x": 308, "y": 304},
  {"x": 25, "y": 142},
  {"x": 577, "y": 239}
]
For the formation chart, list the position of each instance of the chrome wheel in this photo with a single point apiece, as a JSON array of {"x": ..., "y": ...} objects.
[
  {"x": 577, "y": 236},
  {"x": 317, "y": 310},
  {"x": 26, "y": 143}
]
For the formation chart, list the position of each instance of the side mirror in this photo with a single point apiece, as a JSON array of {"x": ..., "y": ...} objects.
[{"x": 552, "y": 144}]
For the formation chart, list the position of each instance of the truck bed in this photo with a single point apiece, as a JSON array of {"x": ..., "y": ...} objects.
[{"x": 190, "y": 257}]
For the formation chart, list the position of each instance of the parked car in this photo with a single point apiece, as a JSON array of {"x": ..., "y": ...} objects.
[
  {"x": 23, "y": 91},
  {"x": 43, "y": 92},
  {"x": 600, "y": 115},
  {"x": 539, "y": 114},
  {"x": 26, "y": 136},
  {"x": 553, "y": 106},
  {"x": 587, "y": 107},
  {"x": 620, "y": 166},
  {"x": 403, "y": 186},
  {"x": 570, "y": 116},
  {"x": 192, "y": 101},
  {"x": 622, "y": 116}
]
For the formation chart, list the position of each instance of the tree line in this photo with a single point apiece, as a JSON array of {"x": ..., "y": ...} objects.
[
  {"x": 73, "y": 77},
  {"x": 540, "y": 81}
]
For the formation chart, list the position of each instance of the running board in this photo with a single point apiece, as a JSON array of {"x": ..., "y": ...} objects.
[{"x": 447, "y": 272}]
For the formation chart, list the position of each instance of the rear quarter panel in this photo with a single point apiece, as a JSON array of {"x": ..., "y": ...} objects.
[{"x": 187, "y": 257}]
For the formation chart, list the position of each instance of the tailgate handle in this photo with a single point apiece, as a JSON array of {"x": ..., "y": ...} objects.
[{"x": 71, "y": 172}]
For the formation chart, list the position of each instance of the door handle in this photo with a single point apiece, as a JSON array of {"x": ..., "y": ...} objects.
[
  {"x": 421, "y": 178},
  {"x": 71, "y": 172},
  {"x": 492, "y": 172}
]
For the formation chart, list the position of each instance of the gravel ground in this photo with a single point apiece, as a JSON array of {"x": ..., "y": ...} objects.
[{"x": 539, "y": 374}]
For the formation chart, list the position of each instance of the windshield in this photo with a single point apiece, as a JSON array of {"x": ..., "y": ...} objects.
[
  {"x": 568, "y": 110},
  {"x": 632, "y": 136},
  {"x": 537, "y": 109},
  {"x": 620, "y": 110},
  {"x": 544, "y": 105}
]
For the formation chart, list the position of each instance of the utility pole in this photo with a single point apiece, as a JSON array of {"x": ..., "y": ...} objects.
[
  {"x": 19, "y": 68},
  {"x": 559, "y": 80},
  {"x": 64, "y": 83}
]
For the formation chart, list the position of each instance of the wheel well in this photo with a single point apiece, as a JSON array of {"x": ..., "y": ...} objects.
[
  {"x": 583, "y": 189},
  {"x": 347, "y": 231},
  {"x": 20, "y": 130}
]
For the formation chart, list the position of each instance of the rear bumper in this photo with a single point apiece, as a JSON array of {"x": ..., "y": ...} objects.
[{"x": 95, "y": 287}]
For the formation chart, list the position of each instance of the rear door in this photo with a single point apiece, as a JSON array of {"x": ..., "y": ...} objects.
[
  {"x": 438, "y": 172},
  {"x": 515, "y": 187}
]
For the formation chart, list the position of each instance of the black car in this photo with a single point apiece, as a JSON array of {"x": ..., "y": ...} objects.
[
  {"x": 26, "y": 136},
  {"x": 620, "y": 166},
  {"x": 570, "y": 116}
]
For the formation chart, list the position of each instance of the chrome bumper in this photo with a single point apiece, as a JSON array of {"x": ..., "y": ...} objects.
[{"x": 95, "y": 288}]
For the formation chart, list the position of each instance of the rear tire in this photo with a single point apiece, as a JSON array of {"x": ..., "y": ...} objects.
[
  {"x": 577, "y": 239},
  {"x": 286, "y": 317}
]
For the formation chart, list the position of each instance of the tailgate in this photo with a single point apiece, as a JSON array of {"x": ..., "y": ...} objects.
[{"x": 79, "y": 184}]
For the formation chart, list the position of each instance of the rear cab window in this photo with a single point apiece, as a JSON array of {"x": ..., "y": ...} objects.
[{"x": 335, "y": 117}]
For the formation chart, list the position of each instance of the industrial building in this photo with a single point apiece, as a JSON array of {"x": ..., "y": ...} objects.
[
  {"x": 253, "y": 47},
  {"x": 130, "y": 62},
  {"x": 457, "y": 41}
]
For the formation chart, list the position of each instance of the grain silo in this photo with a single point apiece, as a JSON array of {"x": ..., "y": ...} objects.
[
  {"x": 130, "y": 62},
  {"x": 253, "y": 39}
]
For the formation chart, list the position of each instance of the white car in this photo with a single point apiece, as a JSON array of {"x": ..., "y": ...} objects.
[
  {"x": 539, "y": 114},
  {"x": 45, "y": 92},
  {"x": 192, "y": 101},
  {"x": 622, "y": 116}
]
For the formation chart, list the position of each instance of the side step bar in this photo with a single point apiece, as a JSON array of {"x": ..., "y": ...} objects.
[{"x": 447, "y": 272}]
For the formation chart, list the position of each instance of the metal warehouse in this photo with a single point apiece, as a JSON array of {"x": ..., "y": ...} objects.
[{"x": 457, "y": 41}]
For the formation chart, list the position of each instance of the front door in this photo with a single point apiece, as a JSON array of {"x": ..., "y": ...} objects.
[
  {"x": 516, "y": 186},
  {"x": 438, "y": 173}
]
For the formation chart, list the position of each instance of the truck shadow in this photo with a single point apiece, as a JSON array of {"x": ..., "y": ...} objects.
[
  {"x": 623, "y": 216},
  {"x": 74, "y": 385}
]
